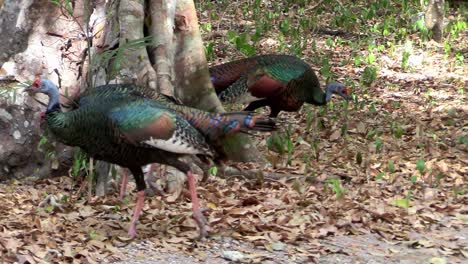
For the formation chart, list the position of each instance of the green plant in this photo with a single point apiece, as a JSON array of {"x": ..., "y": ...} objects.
[
  {"x": 213, "y": 171},
  {"x": 93, "y": 235},
  {"x": 325, "y": 70},
  {"x": 406, "y": 55},
  {"x": 378, "y": 145},
  {"x": 420, "y": 26},
  {"x": 329, "y": 42},
  {"x": 335, "y": 185},
  {"x": 241, "y": 41},
  {"x": 372, "y": 133},
  {"x": 10, "y": 92},
  {"x": 357, "y": 59},
  {"x": 359, "y": 158},
  {"x": 67, "y": 4},
  {"x": 456, "y": 27},
  {"x": 369, "y": 75},
  {"x": 420, "y": 166},
  {"x": 115, "y": 57},
  {"x": 459, "y": 190},
  {"x": 403, "y": 202},
  {"x": 396, "y": 130},
  {"x": 390, "y": 166},
  {"x": 42, "y": 141},
  {"x": 275, "y": 143},
  {"x": 370, "y": 58},
  {"x": 285, "y": 26},
  {"x": 463, "y": 140},
  {"x": 344, "y": 129},
  {"x": 282, "y": 143},
  {"x": 380, "y": 175},
  {"x": 116, "y": 208},
  {"x": 289, "y": 144},
  {"x": 459, "y": 58},
  {"x": 209, "y": 51},
  {"x": 80, "y": 162}
]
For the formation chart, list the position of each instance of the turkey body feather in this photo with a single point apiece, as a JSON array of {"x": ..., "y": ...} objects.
[
  {"x": 125, "y": 124},
  {"x": 121, "y": 125},
  {"x": 282, "y": 82}
]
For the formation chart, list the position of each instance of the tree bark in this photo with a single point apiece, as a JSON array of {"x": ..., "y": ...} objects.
[
  {"x": 101, "y": 42},
  {"x": 193, "y": 85},
  {"x": 434, "y": 18},
  {"x": 162, "y": 29},
  {"x": 33, "y": 43}
]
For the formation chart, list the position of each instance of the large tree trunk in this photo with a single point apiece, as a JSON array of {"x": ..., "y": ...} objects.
[
  {"x": 33, "y": 43},
  {"x": 434, "y": 18},
  {"x": 98, "y": 42},
  {"x": 193, "y": 83}
]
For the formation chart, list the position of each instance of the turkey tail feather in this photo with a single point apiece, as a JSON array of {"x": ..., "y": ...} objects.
[
  {"x": 264, "y": 124},
  {"x": 251, "y": 121}
]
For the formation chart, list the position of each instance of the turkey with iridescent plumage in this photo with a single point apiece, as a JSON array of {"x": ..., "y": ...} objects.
[
  {"x": 120, "y": 125},
  {"x": 282, "y": 82}
]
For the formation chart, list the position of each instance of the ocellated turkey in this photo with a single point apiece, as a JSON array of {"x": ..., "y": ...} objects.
[
  {"x": 118, "y": 124},
  {"x": 282, "y": 82}
]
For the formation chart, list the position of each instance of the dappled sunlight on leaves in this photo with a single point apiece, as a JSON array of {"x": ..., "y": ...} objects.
[{"x": 391, "y": 164}]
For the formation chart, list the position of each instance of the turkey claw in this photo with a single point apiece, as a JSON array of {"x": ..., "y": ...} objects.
[{"x": 201, "y": 221}]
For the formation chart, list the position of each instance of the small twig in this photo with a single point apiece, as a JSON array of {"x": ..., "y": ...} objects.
[
  {"x": 9, "y": 78},
  {"x": 253, "y": 174},
  {"x": 316, "y": 5},
  {"x": 53, "y": 34},
  {"x": 58, "y": 77},
  {"x": 90, "y": 179},
  {"x": 40, "y": 102}
]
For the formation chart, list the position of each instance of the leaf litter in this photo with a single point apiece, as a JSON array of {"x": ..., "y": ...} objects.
[{"x": 392, "y": 122}]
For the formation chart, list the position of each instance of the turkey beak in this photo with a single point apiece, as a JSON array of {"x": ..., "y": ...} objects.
[{"x": 30, "y": 89}]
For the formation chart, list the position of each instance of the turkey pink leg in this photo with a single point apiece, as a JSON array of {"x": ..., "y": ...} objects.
[
  {"x": 136, "y": 213},
  {"x": 123, "y": 184},
  {"x": 197, "y": 213}
]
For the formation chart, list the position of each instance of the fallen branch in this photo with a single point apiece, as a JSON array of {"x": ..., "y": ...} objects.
[{"x": 273, "y": 176}]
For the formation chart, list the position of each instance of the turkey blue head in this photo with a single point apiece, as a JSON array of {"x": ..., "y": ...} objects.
[
  {"x": 42, "y": 86},
  {"x": 337, "y": 88},
  {"x": 46, "y": 87}
]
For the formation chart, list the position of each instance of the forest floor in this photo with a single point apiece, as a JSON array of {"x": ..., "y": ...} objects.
[{"x": 382, "y": 179}]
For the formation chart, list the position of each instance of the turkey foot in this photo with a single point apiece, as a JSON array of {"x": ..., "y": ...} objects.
[
  {"x": 136, "y": 214},
  {"x": 201, "y": 222},
  {"x": 52, "y": 201},
  {"x": 197, "y": 212}
]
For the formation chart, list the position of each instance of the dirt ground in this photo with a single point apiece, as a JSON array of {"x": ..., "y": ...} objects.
[
  {"x": 381, "y": 179},
  {"x": 429, "y": 247}
]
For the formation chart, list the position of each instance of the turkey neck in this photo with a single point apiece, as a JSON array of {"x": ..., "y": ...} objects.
[
  {"x": 54, "y": 114},
  {"x": 311, "y": 93},
  {"x": 54, "y": 104}
]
